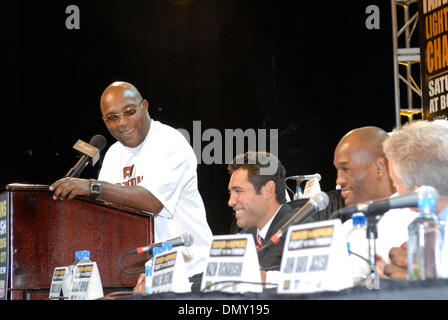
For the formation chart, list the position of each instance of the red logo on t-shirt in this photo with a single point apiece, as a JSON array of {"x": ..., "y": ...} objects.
[
  {"x": 131, "y": 181},
  {"x": 127, "y": 171}
]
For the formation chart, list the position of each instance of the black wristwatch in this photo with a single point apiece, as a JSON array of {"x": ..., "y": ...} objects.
[{"x": 95, "y": 188}]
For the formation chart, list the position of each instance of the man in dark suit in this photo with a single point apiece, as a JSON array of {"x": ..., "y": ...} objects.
[
  {"x": 258, "y": 197},
  {"x": 271, "y": 258}
]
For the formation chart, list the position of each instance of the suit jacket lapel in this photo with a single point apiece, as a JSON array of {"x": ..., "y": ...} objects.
[{"x": 273, "y": 228}]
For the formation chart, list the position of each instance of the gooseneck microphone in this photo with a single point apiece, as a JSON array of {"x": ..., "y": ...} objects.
[
  {"x": 316, "y": 203},
  {"x": 185, "y": 240},
  {"x": 305, "y": 177},
  {"x": 380, "y": 206},
  {"x": 90, "y": 151}
]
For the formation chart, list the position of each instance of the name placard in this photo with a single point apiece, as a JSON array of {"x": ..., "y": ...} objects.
[
  {"x": 312, "y": 187},
  {"x": 169, "y": 273},
  {"x": 315, "y": 258},
  {"x": 58, "y": 280},
  {"x": 232, "y": 265},
  {"x": 86, "y": 282}
]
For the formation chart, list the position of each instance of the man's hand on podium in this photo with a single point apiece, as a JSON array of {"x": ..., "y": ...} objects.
[
  {"x": 397, "y": 268},
  {"x": 68, "y": 188}
]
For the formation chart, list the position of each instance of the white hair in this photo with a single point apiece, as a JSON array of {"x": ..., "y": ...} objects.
[{"x": 419, "y": 151}]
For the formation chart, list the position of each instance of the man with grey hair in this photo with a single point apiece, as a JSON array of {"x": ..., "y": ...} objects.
[{"x": 417, "y": 155}]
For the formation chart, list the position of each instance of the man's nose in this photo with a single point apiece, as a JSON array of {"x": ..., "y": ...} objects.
[
  {"x": 122, "y": 120},
  {"x": 340, "y": 179},
  {"x": 231, "y": 201}
]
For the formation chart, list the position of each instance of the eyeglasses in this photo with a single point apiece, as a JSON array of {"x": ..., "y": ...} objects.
[{"x": 113, "y": 118}]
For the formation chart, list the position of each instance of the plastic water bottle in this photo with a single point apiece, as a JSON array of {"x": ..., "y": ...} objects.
[
  {"x": 298, "y": 195},
  {"x": 424, "y": 237},
  {"x": 69, "y": 277},
  {"x": 149, "y": 268},
  {"x": 358, "y": 248}
]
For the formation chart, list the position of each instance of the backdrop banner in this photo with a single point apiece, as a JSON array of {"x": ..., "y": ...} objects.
[{"x": 433, "y": 27}]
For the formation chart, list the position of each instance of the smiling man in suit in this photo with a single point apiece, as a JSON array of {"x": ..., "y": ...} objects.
[{"x": 258, "y": 198}]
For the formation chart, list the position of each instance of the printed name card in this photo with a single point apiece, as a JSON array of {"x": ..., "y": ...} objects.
[
  {"x": 86, "y": 282},
  {"x": 232, "y": 264},
  {"x": 57, "y": 283},
  {"x": 169, "y": 273},
  {"x": 315, "y": 258},
  {"x": 312, "y": 187}
]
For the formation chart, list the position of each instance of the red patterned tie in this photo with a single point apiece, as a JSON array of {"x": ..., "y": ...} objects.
[{"x": 259, "y": 242}]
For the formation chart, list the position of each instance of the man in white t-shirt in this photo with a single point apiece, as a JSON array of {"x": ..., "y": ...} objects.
[{"x": 152, "y": 168}]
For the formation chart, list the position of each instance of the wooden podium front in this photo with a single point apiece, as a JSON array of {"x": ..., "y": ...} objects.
[{"x": 38, "y": 234}]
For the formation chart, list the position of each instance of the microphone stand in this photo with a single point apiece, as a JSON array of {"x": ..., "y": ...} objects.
[{"x": 372, "y": 234}]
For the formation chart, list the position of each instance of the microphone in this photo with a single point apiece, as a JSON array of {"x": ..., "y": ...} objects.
[
  {"x": 185, "y": 240},
  {"x": 305, "y": 177},
  {"x": 91, "y": 153},
  {"x": 380, "y": 206},
  {"x": 316, "y": 203}
]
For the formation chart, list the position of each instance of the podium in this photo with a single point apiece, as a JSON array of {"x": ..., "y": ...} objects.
[{"x": 38, "y": 234}]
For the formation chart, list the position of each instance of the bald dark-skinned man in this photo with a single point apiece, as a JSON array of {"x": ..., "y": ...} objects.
[
  {"x": 363, "y": 174},
  {"x": 362, "y": 170},
  {"x": 151, "y": 167}
]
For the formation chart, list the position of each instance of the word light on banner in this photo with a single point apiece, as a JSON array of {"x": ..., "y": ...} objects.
[
  {"x": 315, "y": 258},
  {"x": 232, "y": 265},
  {"x": 169, "y": 272}
]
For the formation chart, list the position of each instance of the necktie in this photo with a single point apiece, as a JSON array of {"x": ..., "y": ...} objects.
[{"x": 259, "y": 241}]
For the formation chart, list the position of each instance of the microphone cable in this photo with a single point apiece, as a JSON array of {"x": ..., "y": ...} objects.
[{"x": 122, "y": 269}]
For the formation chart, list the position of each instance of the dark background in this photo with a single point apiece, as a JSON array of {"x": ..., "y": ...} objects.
[{"x": 310, "y": 69}]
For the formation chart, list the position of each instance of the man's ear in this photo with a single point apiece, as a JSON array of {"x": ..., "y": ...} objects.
[
  {"x": 145, "y": 104},
  {"x": 268, "y": 190},
  {"x": 381, "y": 167}
]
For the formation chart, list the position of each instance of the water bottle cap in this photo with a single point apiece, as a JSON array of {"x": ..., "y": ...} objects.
[
  {"x": 358, "y": 219},
  {"x": 166, "y": 246},
  {"x": 427, "y": 199},
  {"x": 427, "y": 205},
  {"x": 156, "y": 250},
  {"x": 84, "y": 254}
]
